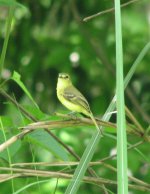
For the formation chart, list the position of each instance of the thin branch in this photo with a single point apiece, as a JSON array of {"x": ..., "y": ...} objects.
[
  {"x": 22, "y": 134},
  {"x": 96, "y": 46},
  {"x": 71, "y": 121},
  {"x": 107, "y": 11},
  {"x": 51, "y": 125},
  {"x": 132, "y": 118},
  {"x": 12, "y": 140},
  {"x": 52, "y": 174},
  {"x": 129, "y": 148},
  {"x": 63, "y": 164},
  {"x": 137, "y": 106},
  {"x": 26, "y": 113}
]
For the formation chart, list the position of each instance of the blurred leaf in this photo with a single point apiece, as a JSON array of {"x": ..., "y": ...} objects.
[
  {"x": 37, "y": 113},
  {"x": 110, "y": 130},
  {"x": 12, "y": 149},
  {"x": 3, "y": 162},
  {"x": 7, "y": 121},
  {"x": 41, "y": 138},
  {"x": 11, "y": 3},
  {"x": 17, "y": 78}
]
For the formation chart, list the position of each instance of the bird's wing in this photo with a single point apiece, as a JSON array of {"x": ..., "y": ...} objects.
[{"x": 73, "y": 95}]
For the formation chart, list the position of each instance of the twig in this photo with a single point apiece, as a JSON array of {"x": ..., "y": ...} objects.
[
  {"x": 12, "y": 140},
  {"x": 26, "y": 113},
  {"x": 107, "y": 11},
  {"x": 129, "y": 148},
  {"x": 137, "y": 106},
  {"x": 62, "y": 164},
  {"x": 20, "y": 135},
  {"x": 71, "y": 121},
  {"x": 40, "y": 173},
  {"x": 51, "y": 125},
  {"x": 96, "y": 46},
  {"x": 132, "y": 118}
]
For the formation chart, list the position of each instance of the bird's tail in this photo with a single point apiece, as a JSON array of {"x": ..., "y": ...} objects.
[{"x": 96, "y": 125}]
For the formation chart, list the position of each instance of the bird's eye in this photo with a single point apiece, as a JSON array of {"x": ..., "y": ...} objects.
[{"x": 63, "y": 76}]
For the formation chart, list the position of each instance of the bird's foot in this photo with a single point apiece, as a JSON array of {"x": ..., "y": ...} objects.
[{"x": 72, "y": 114}]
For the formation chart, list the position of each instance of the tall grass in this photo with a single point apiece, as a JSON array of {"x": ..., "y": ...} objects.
[
  {"x": 2, "y": 60},
  {"x": 90, "y": 149},
  {"x": 8, "y": 29},
  {"x": 122, "y": 177},
  {"x": 121, "y": 144}
]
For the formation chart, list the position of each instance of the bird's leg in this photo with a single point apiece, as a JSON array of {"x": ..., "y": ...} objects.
[{"x": 73, "y": 114}]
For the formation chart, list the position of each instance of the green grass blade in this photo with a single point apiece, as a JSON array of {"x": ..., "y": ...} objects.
[
  {"x": 11, "y": 3},
  {"x": 8, "y": 152},
  {"x": 41, "y": 139},
  {"x": 30, "y": 185},
  {"x": 81, "y": 168},
  {"x": 17, "y": 78},
  {"x": 122, "y": 176},
  {"x": 8, "y": 29},
  {"x": 136, "y": 63},
  {"x": 128, "y": 77},
  {"x": 90, "y": 149}
]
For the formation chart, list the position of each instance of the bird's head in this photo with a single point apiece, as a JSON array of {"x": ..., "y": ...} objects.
[{"x": 64, "y": 80}]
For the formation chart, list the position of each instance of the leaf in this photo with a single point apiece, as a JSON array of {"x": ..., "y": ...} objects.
[
  {"x": 37, "y": 113},
  {"x": 17, "y": 78},
  {"x": 41, "y": 138},
  {"x": 12, "y": 149},
  {"x": 11, "y": 3}
]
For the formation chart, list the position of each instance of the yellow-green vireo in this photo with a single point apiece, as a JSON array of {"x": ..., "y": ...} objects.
[{"x": 72, "y": 99}]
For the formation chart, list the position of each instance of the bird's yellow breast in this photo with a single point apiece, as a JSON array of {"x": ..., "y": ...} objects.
[
  {"x": 68, "y": 104},
  {"x": 62, "y": 85}
]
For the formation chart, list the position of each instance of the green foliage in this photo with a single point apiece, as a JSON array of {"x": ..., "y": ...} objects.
[
  {"x": 16, "y": 77},
  {"x": 10, "y": 3},
  {"x": 38, "y": 40},
  {"x": 13, "y": 149},
  {"x": 40, "y": 138},
  {"x": 7, "y": 122},
  {"x": 122, "y": 159}
]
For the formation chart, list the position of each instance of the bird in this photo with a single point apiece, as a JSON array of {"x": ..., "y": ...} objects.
[{"x": 72, "y": 98}]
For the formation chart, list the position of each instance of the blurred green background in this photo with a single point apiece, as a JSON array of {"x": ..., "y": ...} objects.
[{"x": 49, "y": 37}]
